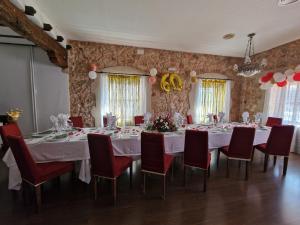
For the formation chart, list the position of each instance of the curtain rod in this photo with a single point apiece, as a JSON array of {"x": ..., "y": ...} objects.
[
  {"x": 127, "y": 74},
  {"x": 212, "y": 78}
]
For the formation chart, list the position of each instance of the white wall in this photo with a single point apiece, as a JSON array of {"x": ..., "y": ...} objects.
[{"x": 24, "y": 69}]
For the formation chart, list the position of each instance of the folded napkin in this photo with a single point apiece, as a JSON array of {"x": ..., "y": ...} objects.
[
  {"x": 221, "y": 116},
  {"x": 210, "y": 117},
  {"x": 245, "y": 117}
]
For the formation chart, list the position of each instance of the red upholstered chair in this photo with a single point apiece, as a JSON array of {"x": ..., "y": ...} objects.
[
  {"x": 104, "y": 121},
  {"x": 196, "y": 153},
  {"x": 104, "y": 164},
  {"x": 138, "y": 120},
  {"x": 279, "y": 144},
  {"x": 77, "y": 121},
  {"x": 6, "y": 130},
  {"x": 154, "y": 159},
  {"x": 35, "y": 174},
  {"x": 272, "y": 121},
  {"x": 240, "y": 147},
  {"x": 189, "y": 119}
]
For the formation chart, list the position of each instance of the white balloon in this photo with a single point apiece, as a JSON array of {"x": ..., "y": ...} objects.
[
  {"x": 193, "y": 73},
  {"x": 279, "y": 77},
  {"x": 290, "y": 79},
  {"x": 153, "y": 72},
  {"x": 297, "y": 69},
  {"x": 289, "y": 72},
  {"x": 92, "y": 75}
]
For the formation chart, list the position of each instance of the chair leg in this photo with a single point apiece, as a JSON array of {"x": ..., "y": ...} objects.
[
  {"x": 95, "y": 187},
  {"x": 38, "y": 198},
  {"x": 114, "y": 184},
  {"x": 164, "y": 187},
  {"x": 274, "y": 160},
  {"x": 218, "y": 158},
  {"x": 246, "y": 174},
  {"x": 252, "y": 156},
  {"x": 266, "y": 162},
  {"x": 24, "y": 192},
  {"x": 144, "y": 186},
  {"x": 240, "y": 164},
  {"x": 227, "y": 170},
  {"x": 285, "y": 165},
  {"x": 204, "y": 180},
  {"x": 208, "y": 171},
  {"x": 184, "y": 175},
  {"x": 130, "y": 176}
]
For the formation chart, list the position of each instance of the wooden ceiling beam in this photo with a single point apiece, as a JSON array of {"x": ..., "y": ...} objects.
[{"x": 14, "y": 18}]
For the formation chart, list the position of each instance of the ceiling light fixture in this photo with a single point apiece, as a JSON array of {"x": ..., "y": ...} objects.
[
  {"x": 228, "y": 36},
  {"x": 248, "y": 68},
  {"x": 286, "y": 2}
]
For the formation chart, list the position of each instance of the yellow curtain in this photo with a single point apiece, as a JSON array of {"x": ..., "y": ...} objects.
[
  {"x": 212, "y": 97},
  {"x": 124, "y": 97}
]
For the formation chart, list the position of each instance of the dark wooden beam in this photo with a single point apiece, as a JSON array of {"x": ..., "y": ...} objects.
[{"x": 18, "y": 21}]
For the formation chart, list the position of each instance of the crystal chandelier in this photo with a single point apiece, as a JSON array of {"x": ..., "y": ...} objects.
[{"x": 249, "y": 69}]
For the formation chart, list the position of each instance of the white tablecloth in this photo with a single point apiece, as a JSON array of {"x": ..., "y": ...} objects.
[{"x": 76, "y": 149}]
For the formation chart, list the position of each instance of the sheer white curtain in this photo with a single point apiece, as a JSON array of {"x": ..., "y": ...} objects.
[
  {"x": 121, "y": 105},
  {"x": 284, "y": 102},
  {"x": 198, "y": 93}
]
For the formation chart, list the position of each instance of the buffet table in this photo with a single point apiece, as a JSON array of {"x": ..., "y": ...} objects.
[{"x": 73, "y": 146}]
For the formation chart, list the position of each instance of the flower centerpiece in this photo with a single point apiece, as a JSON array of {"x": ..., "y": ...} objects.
[{"x": 162, "y": 124}]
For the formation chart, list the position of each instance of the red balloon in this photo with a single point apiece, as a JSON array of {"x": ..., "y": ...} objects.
[
  {"x": 296, "y": 77},
  {"x": 266, "y": 78},
  {"x": 281, "y": 84},
  {"x": 152, "y": 80}
]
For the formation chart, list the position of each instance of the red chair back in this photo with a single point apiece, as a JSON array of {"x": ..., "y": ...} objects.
[
  {"x": 102, "y": 156},
  {"x": 138, "y": 120},
  {"x": 153, "y": 150},
  {"x": 104, "y": 121},
  {"x": 9, "y": 129},
  {"x": 272, "y": 121},
  {"x": 280, "y": 140},
  {"x": 241, "y": 143},
  {"x": 77, "y": 121},
  {"x": 189, "y": 119},
  {"x": 26, "y": 164},
  {"x": 196, "y": 149}
]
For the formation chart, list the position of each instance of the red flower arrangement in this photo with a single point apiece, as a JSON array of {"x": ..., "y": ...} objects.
[{"x": 162, "y": 124}]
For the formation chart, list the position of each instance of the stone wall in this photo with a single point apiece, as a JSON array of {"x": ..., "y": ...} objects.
[{"x": 82, "y": 89}]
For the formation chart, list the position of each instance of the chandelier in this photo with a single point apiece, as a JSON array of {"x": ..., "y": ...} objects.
[{"x": 248, "y": 68}]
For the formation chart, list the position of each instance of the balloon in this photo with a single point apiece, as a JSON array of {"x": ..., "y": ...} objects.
[
  {"x": 92, "y": 75},
  {"x": 153, "y": 72},
  {"x": 152, "y": 80},
  {"x": 297, "y": 77},
  {"x": 194, "y": 79},
  {"x": 193, "y": 73},
  {"x": 93, "y": 67},
  {"x": 290, "y": 78},
  {"x": 279, "y": 77},
  {"x": 297, "y": 69},
  {"x": 266, "y": 78},
  {"x": 289, "y": 72},
  {"x": 281, "y": 84}
]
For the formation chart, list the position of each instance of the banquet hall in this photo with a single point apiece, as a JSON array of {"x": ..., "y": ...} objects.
[{"x": 149, "y": 112}]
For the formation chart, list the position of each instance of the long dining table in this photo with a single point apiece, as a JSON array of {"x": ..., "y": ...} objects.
[{"x": 73, "y": 145}]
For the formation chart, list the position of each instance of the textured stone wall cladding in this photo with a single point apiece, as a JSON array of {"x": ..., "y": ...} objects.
[
  {"x": 279, "y": 59},
  {"x": 82, "y": 90}
]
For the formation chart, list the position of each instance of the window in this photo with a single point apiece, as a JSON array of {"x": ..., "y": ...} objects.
[
  {"x": 124, "y": 96},
  {"x": 284, "y": 102},
  {"x": 210, "y": 96}
]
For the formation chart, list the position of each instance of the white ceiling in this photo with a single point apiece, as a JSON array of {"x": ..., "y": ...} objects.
[{"x": 185, "y": 25}]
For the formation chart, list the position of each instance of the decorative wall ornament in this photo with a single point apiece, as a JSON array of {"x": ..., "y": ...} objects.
[
  {"x": 92, "y": 72},
  {"x": 171, "y": 81},
  {"x": 280, "y": 79}
]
